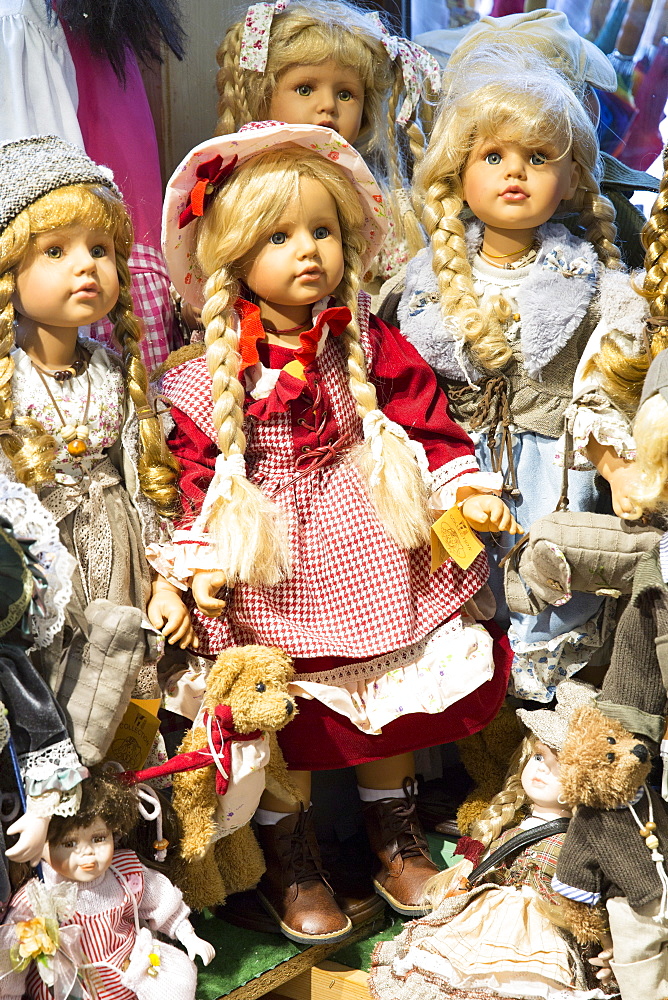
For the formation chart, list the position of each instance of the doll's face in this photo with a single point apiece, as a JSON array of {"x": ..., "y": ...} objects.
[
  {"x": 68, "y": 279},
  {"x": 325, "y": 94},
  {"x": 83, "y": 854},
  {"x": 509, "y": 186},
  {"x": 541, "y": 780},
  {"x": 301, "y": 261}
]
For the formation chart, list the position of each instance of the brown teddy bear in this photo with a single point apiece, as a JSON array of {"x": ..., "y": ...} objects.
[
  {"x": 245, "y": 702},
  {"x": 613, "y": 854}
]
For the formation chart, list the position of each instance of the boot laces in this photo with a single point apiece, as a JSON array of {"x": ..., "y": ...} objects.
[
  {"x": 403, "y": 825},
  {"x": 303, "y": 860}
]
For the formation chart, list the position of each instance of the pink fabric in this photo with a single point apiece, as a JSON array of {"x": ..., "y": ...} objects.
[
  {"x": 153, "y": 304},
  {"x": 118, "y": 131}
]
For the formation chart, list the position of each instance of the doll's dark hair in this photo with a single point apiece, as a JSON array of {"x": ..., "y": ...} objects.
[
  {"x": 111, "y": 27},
  {"x": 102, "y": 797}
]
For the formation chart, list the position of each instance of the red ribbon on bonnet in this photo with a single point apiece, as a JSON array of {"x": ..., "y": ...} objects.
[{"x": 210, "y": 175}]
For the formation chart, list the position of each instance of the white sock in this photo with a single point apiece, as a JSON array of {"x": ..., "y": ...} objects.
[
  {"x": 375, "y": 794},
  {"x": 267, "y": 817}
]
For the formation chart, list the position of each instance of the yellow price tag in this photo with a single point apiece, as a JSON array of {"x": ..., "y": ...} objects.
[
  {"x": 452, "y": 536},
  {"x": 134, "y": 736}
]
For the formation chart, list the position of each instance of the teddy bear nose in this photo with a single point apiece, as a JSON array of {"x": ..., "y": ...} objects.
[
  {"x": 289, "y": 707},
  {"x": 641, "y": 752}
]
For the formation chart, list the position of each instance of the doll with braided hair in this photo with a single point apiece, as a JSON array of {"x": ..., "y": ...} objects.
[
  {"x": 497, "y": 933},
  {"x": 505, "y": 300},
  {"x": 311, "y": 437},
  {"x": 75, "y": 422},
  {"x": 612, "y": 371},
  {"x": 328, "y": 62}
]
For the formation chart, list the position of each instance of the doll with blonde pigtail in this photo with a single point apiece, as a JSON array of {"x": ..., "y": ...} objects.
[
  {"x": 506, "y": 299},
  {"x": 77, "y": 426},
  {"x": 495, "y": 928},
  {"x": 81, "y": 924},
  {"x": 312, "y": 439},
  {"x": 327, "y": 62}
]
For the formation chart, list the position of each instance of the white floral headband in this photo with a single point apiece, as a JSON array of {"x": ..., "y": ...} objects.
[{"x": 417, "y": 65}]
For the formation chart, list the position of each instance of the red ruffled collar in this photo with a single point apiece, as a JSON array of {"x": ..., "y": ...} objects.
[{"x": 336, "y": 317}]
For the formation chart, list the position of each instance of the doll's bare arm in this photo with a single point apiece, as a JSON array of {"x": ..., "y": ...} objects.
[
  {"x": 486, "y": 512},
  {"x": 194, "y": 945},
  {"x": 205, "y": 586},
  {"x": 620, "y": 473},
  {"x": 167, "y": 612},
  {"x": 32, "y": 830}
]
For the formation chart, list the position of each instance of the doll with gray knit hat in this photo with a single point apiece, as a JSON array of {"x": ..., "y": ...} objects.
[
  {"x": 76, "y": 425},
  {"x": 489, "y": 934}
]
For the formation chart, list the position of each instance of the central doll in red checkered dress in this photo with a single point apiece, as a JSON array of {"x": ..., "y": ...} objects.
[{"x": 315, "y": 447}]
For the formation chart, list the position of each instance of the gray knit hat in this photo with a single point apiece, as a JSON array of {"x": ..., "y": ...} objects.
[
  {"x": 551, "y": 726},
  {"x": 32, "y": 167}
]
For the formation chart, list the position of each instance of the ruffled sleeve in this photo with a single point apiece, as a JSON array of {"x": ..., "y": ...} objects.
[
  {"x": 593, "y": 413},
  {"x": 409, "y": 394},
  {"x": 162, "y": 903},
  {"x": 37, "y": 76}
]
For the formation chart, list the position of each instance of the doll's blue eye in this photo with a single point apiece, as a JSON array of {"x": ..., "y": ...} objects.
[
  {"x": 537, "y": 159},
  {"x": 493, "y": 159},
  {"x": 278, "y": 238},
  {"x": 304, "y": 90},
  {"x": 321, "y": 233},
  {"x": 98, "y": 251}
]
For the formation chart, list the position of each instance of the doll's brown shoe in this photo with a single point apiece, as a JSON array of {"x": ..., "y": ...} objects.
[
  {"x": 397, "y": 840},
  {"x": 294, "y": 889}
]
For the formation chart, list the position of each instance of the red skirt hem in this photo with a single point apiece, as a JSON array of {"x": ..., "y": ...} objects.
[{"x": 322, "y": 740}]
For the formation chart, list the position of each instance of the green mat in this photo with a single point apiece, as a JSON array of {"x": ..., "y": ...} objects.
[{"x": 243, "y": 955}]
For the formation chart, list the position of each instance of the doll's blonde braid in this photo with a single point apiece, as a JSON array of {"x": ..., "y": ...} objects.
[
  {"x": 655, "y": 242},
  {"x": 482, "y": 330},
  {"x": 248, "y": 528},
  {"x": 399, "y": 496},
  {"x": 231, "y": 82},
  {"x": 597, "y": 218},
  {"x": 157, "y": 468},
  {"x": 29, "y": 448}
]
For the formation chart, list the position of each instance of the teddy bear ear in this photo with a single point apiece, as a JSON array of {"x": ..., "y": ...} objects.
[
  {"x": 227, "y": 668},
  {"x": 284, "y": 660}
]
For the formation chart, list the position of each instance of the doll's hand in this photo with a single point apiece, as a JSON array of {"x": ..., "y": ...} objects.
[
  {"x": 602, "y": 961},
  {"x": 32, "y": 830},
  {"x": 622, "y": 481},
  {"x": 194, "y": 945},
  {"x": 486, "y": 512},
  {"x": 205, "y": 586},
  {"x": 167, "y": 612}
]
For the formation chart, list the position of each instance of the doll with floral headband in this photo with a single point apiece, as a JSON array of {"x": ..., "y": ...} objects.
[
  {"x": 505, "y": 301},
  {"x": 330, "y": 63},
  {"x": 491, "y": 933},
  {"x": 311, "y": 437},
  {"x": 76, "y": 425},
  {"x": 96, "y": 892}
]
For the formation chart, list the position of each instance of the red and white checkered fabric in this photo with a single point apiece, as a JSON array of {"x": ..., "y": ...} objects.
[
  {"x": 353, "y": 592},
  {"x": 153, "y": 305}
]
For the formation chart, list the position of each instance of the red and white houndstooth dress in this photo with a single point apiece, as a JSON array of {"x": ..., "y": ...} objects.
[{"x": 358, "y": 613}]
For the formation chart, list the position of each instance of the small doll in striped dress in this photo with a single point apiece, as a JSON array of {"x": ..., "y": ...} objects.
[{"x": 97, "y": 894}]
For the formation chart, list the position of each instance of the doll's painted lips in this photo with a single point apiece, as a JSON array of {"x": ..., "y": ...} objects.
[
  {"x": 514, "y": 194},
  {"x": 88, "y": 867},
  {"x": 88, "y": 291},
  {"x": 327, "y": 124},
  {"x": 311, "y": 274}
]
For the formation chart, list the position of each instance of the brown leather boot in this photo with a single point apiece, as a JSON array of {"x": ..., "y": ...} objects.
[
  {"x": 294, "y": 889},
  {"x": 398, "y": 841}
]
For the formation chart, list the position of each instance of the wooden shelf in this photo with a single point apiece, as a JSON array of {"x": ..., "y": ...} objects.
[{"x": 325, "y": 981}]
